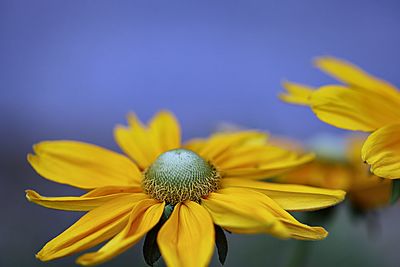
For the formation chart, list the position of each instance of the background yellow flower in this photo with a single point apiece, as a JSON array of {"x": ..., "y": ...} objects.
[
  {"x": 364, "y": 190},
  {"x": 363, "y": 103}
]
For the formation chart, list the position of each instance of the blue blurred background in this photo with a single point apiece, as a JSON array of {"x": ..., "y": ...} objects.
[{"x": 73, "y": 69}]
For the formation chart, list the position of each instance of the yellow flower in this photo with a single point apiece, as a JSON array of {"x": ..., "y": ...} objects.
[
  {"x": 205, "y": 181},
  {"x": 365, "y": 190},
  {"x": 363, "y": 103}
]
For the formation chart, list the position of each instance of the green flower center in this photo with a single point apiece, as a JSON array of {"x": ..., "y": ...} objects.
[{"x": 178, "y": 175}]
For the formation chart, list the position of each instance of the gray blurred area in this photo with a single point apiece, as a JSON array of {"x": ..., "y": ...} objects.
[{"x": 73, "y": 69}]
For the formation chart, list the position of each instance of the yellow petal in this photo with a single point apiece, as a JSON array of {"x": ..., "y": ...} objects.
[
  {"x": 297, "y": 229},
  {"x": 167, "y": 130},
  {"x": 93, "y": 228},
  {"x": 291, "y": 197},
  {"x": 86, "y": 202},
  {"x": 187, "y": 238},
  {"x": 124, "y": 138},
  {"x": 218, "y": 144},
  {"x": 254, "y": 156},
  {"x": 276, "y": 166},
  {"x": 251, "y": 156},
  {"x": 354, "y": 76},
  {"x": 110, "y": 190},
  {"x": 83, "y": 165},
  {"x": 143, "y": 218},
  {"x": 137, "y": 142},
  {"x": 247, "y": 211},
  {"x": 382, "y": 151},
  {"x": 244, "y": 211},
  {"x": 302, "y": 231},
  {"x": 144, "y": 144},
  {"x": 353, "y": 109},
  {"x": 296, "y": 93}
]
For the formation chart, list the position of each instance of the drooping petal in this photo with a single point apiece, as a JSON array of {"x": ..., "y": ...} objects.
[
  {"x": 353, "y": 109},
  {"x": 291, "y": 197},
  {"x": 354, "y": 76},
  {"x": 144, "y": 144},
  {"x": 244, "y": 211},
  {"x": 382, "y": 151},
  {"x": 296, "y": 93},
  {"x": 297, "y": 229},
  {"x": 167, "y": 130},
  {"x": 218, "y": 144},
  {"x": 83, "y": 165},
  {"x": 187, "y": 238},
  {"x": 93, "y": 228},
  {"x": 247, "y": 211},
  {"x": 302, "y": 231},
  {"x": 143, "y": 217},
  {"x": 274, "y": 167},
  {"x": 86, "y": 202}
]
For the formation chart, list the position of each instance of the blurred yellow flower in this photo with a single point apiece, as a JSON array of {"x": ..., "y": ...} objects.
[
  {"x": 188, "y": 188},
  {"x": 363, "y": 103},
  {"x": 347, "y": 172}
]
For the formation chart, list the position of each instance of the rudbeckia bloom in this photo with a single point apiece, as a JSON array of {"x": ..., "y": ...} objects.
[
  {"x": 182, "y": 191},
  {"x": 363, "y": 103},
  {"x": 340, "y": 167}
]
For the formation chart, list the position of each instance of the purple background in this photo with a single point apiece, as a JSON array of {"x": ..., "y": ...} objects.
[{"x": 73, "y": 69}]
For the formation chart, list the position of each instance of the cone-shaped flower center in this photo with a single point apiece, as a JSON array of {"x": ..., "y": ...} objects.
[{"x": 178, "y": 175}]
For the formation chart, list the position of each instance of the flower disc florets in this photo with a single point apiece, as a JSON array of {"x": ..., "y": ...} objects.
[{"x": 178, "y": 175}]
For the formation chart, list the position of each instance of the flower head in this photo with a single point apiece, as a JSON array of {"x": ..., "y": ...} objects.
[
  {"x": 363, "y": 103},
  {"x": 179, "y": 175},
  {"x": 181, "y": 195}
]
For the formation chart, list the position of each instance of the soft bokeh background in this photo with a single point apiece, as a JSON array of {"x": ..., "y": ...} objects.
[{"x": 73, "y": 69}]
